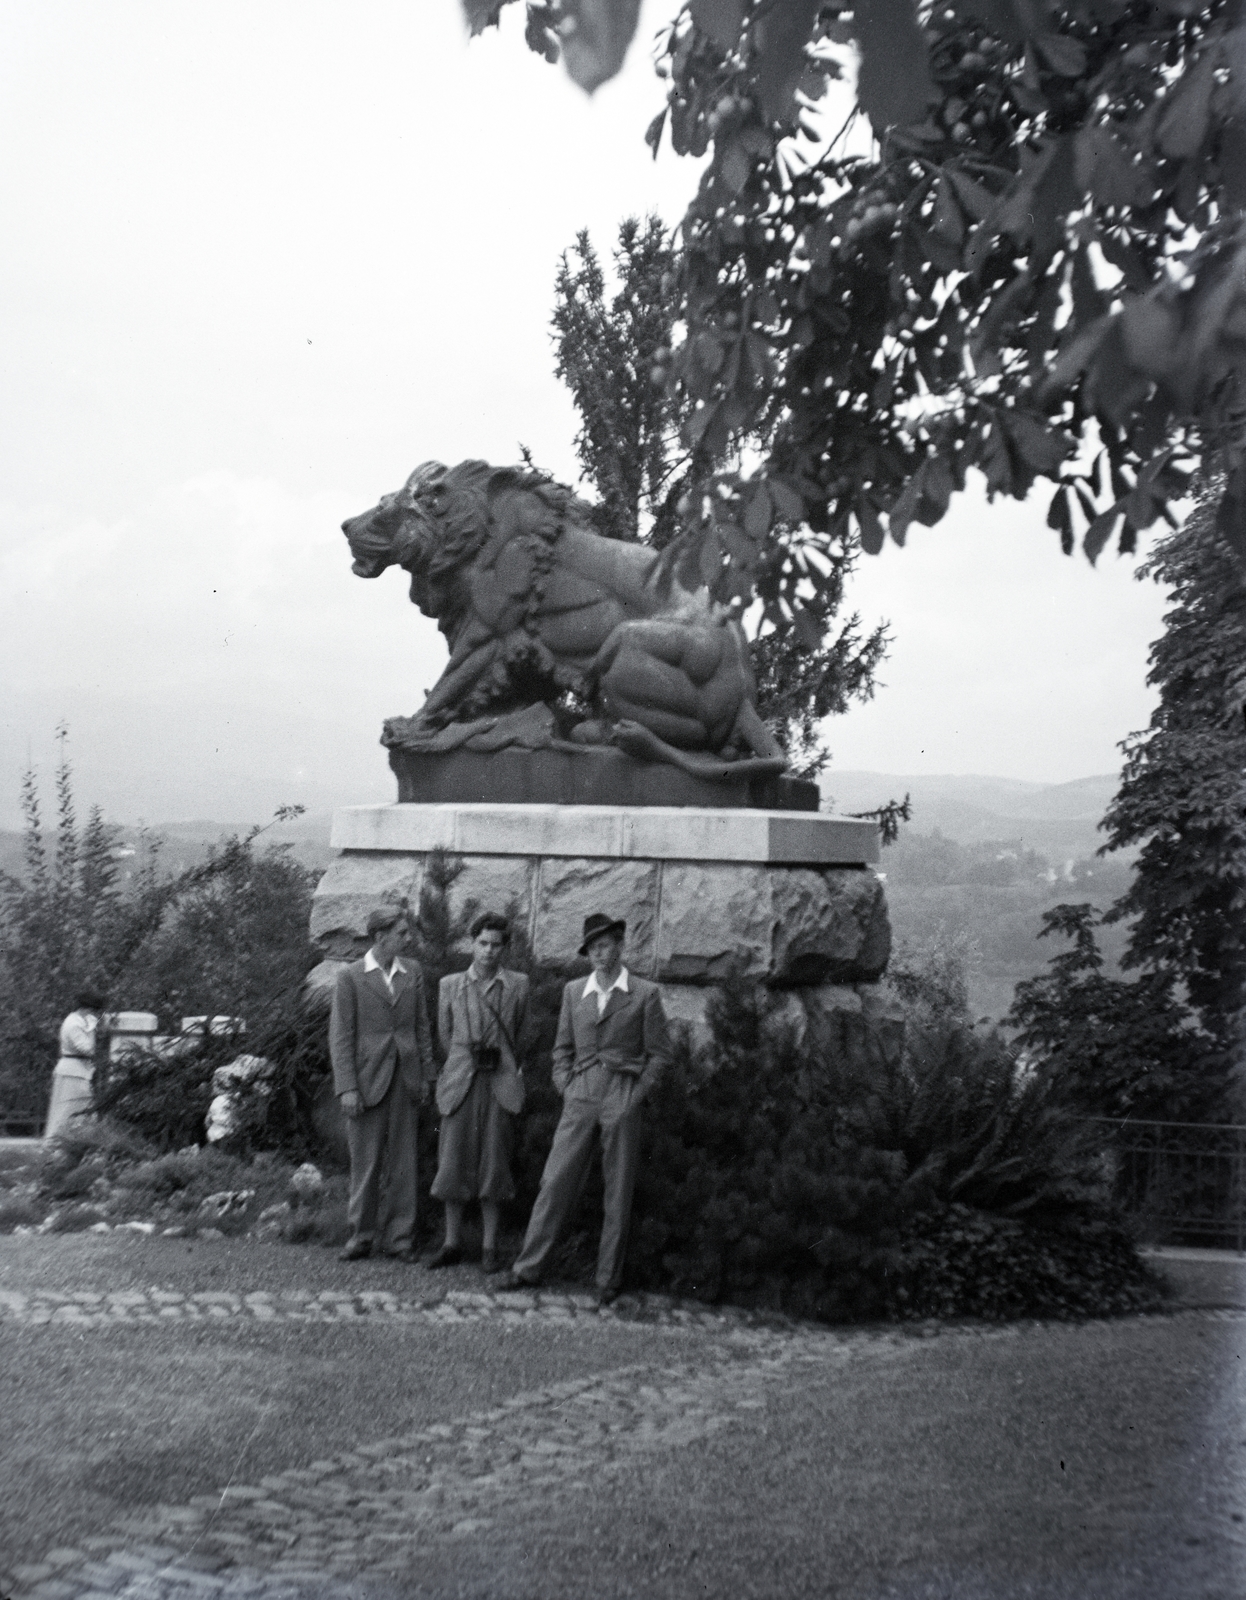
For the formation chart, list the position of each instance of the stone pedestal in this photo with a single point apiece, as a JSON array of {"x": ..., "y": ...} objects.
[
  {"x": 593, "y": 775},
  {"x": 785, "y": 898}
]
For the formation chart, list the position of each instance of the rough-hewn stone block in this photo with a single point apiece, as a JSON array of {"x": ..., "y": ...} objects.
[
  {"x": 715, "y": 921},
  {"x": 569, "y": 891},
  {"x": 861, "y": 1018},
  {"x": 355, "y": 884},
  {"x": 689, "y": 922},
  {"x": 829, "y": 926},
  {"x": 494, "y": 883},
  {"x": 784, "y": 925},
  {"x": 684, "y": 1005}
]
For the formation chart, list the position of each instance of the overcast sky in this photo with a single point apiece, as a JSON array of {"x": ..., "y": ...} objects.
[{"x": 261, "y": 261}]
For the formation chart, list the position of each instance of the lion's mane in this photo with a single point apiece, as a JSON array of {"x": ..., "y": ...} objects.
[{"x": 454, "y": 516}]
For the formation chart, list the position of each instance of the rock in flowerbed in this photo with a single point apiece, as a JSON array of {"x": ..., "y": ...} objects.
[{"x": 100, "y": 1178}]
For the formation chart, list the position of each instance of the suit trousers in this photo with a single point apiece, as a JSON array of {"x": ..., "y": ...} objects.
[
  {"x": 382, "y": 1144},
  {"x": 566, "y": 1168}
]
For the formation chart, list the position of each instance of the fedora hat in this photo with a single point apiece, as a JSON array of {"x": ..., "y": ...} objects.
[{"x": 598, "y": 924}]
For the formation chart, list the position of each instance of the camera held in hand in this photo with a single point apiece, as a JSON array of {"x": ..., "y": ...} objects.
[{"x": 486, "y": 1057}]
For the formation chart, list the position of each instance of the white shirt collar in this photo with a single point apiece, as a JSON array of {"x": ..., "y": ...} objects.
[
  {"x": 371, "y": 964},
  {"x": 593, "y": 987},
  {"x": 482, "y": 982}
]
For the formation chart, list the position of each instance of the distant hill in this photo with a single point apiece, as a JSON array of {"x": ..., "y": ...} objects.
[
  {"x": 306, "y": 837},
  {"x": 182, "y": 844},
  {"x": 1061, "y": 820},
  {"x": 981, "y": 861}
]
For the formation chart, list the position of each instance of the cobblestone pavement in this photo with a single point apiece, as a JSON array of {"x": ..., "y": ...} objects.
[
  {"x": 85, "y": 1309},
  {"x": 368, "y": 1513},
  {"x": 364, "y": 1517}
]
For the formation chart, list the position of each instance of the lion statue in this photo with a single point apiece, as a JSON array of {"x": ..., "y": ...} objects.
[{"x": 535, "y": 605}]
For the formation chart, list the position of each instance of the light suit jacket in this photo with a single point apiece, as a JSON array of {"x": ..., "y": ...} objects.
[
  {"x": 373, "y": 1035},
  {"x": 629, "y": 1037},
  {"x": 459, "y": 1022}
]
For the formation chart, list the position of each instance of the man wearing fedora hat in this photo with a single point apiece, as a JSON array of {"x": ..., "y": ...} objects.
[
  {"x": 611, "y": 1046},
  {"x": 383, "y": 1066}
]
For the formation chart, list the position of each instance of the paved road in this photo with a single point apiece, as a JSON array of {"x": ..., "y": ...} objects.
[{"x": 237, "y": 1419}]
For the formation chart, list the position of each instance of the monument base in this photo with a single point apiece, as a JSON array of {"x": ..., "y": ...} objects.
[
  {"x": 783, "y": 898},
  {"x": 594, "y": 775},
  {"x": 838, "y": 1014}
]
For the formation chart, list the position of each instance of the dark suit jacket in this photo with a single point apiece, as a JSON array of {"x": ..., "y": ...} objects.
[
  {"x": 457, "y": 1024},
  {"x": 371, "y": 1035},
  {"x": 630, "y": 1037}
]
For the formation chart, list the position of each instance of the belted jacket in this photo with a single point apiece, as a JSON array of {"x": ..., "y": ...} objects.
[
  {"x": 628, "y": 1039},
  {"x": 468, "y": 1014}
]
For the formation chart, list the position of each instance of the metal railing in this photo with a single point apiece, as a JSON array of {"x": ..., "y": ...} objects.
[
  {"x": 19, "y": 1127},
  {"x": 1182, "y": 1183}
]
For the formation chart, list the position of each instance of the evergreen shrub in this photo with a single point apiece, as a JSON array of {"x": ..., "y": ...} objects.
[{"x": 832, "y": 1177}]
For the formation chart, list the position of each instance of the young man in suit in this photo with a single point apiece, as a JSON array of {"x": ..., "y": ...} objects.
[
  {"x": 611, "y": 1046},
  {"x": 383, "y": 1067},
  {"x": 480, "y": 1016}
]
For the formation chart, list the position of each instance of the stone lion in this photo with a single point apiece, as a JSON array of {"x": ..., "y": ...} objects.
[{"x": 534, "y": 603}]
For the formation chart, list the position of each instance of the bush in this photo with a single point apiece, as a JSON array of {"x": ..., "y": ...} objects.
[
  {"x": 164, "y": 1098},
  {"x": 278, "y": 1113},
  {"x": 218, "y": 938},
  {"x": 76, "y": 1219},
  {"x": 830, "y": 1177},
  {"x": 19, "y": 1212},
  {"x": 974, "y": 1263},
  {"x": 126, "y": 1177}
]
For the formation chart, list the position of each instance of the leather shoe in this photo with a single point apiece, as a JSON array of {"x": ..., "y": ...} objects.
[
  {"x": 490, "y": 1261},
  {"x": 512, "y": 1283},
  {"x": 606, "y": 1297},
  {"x": 448, "y": 1256},
  {"x": 407, "y": 1257},
  {"x": 356, "y": 1250}
]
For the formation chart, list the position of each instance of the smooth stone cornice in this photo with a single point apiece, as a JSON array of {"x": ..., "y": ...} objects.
[{"x": 652, "y": 833}]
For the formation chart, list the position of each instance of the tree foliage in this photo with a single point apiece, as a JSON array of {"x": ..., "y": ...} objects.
[
  {"x": 1164, "y": 1045},
  {"x": 613, "y": 350},
  {"x": 1183, "y": 790},
  {"x": 1112, "y": 1047},
  {"x": 233, "y": 936},
  {"x": 215, "y": 938},
  {"x": 1038, "y": 272},
  {"x": 609, "y": 347}
]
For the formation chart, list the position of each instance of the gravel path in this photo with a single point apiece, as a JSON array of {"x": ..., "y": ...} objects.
[{"x": 358, "y": 1433}]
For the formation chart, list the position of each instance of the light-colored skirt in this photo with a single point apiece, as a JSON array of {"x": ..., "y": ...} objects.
[
  {"x": 474, "y": 1149},
  {"x": 70, "y": 1103}
]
